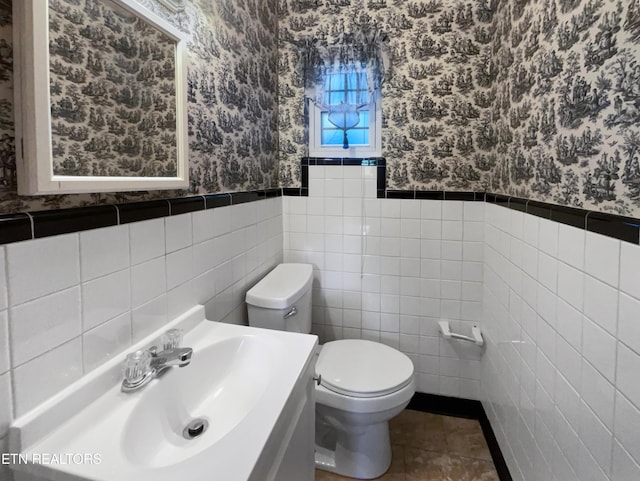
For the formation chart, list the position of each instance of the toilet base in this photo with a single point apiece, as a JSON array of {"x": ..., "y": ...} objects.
[{"x": 364, "y": 453}]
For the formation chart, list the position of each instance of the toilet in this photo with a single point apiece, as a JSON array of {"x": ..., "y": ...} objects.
[{"x": 362, "y": 384}]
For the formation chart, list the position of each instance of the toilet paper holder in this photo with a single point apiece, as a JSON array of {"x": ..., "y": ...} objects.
[{"x": 476, "y": 334}]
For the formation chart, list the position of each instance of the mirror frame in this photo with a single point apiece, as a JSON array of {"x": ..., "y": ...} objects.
[{"x": 34, "y": 155}]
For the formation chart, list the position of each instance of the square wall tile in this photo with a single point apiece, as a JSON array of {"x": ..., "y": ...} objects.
[
  {"x": 627, "y": 370},
  {"x": 36, "y": 381},
  {"x": 179, "y": 267},
  {"x": 41, "y": 325},
  {"x": 602, "y": 258},
  {"x": 148, "y": 317},
  {"x": 4, "y": 302},
  {"x": 623, "y": 467},
  {"x": 178, "y": 231},
  {"x": 452, "y": 210},
  {"x": 601, "y": 303},
  {"x": 105, "y": 298},
  {"x": 628, "y": 322},
  {"x": 39, "y": 267},
  {"x": 596, "y": 437},
  {"x": 548, "y": 237},
  {"x": 627, "y": 426},
  {"x": 570, "y": 285},
  {"x": 146, "y": 240},
  {"x": 6, "y": 413},
  {"x": 105, "y": 341},
  {"x": 103, "y": 251},
  {"x": 571, "y": 243},
  {"x": 598, "y": 393},
  {"x": 5, "y": 362},
  {"x": 409, "y": 209},
  {"x": 148, "y": 280},
  {"x": 629, "y": 269}
]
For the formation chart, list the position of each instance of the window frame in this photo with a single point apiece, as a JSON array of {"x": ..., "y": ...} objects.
[{"x": 373, "y": 149}]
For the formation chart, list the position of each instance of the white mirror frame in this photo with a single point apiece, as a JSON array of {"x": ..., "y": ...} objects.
[{"x": 34, "y": 155}]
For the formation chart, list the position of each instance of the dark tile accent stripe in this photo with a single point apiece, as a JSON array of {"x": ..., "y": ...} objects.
[
  {"x": 518, "y": 204},
  {"x": 243, "y": 197},
  {"x": 464, "y": 408},
  {"x": 619, "y": 227},
  {"x": 381, "y": 173},
  {"x": 569, "y": 216},
  {"x": 468, "y": 196},
  {"x": 401, "y": 194},
  {"x": 139, "y": 211},
  {"x": 363, "y": 161},
  {"x": 430, "y": 194},
  {"x": 15, "y": 228},
  {"x": 217, "y": 200},
  {"x": 293, "y": 191},
  {"x": 64, "y": 221},
  {"x": 184, "y": 205},
  {"x": 502, "y": 200},
  {"x": 539, "y": 209}
]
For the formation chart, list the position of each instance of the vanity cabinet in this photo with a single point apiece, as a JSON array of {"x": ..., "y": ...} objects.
[{"x": 289, "y": 453}]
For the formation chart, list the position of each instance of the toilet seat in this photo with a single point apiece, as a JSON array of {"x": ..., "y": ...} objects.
[{"x": 363, "y": 369}]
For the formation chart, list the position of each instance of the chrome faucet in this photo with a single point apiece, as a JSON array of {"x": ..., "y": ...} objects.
[
  {"x": 143, "y": 366},
  {"x": 179, "y": 356}
]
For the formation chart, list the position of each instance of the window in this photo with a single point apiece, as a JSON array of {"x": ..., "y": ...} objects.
[{"x": 346, "y": 120}]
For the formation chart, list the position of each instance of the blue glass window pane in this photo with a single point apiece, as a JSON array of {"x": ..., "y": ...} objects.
[
  {"x": 332, "y": 137},
  {"x": 325, "y": 121},
  {"x": 364, "y": 119},
  {"x": 336, "y": 98},
  {"x": 358, "y": 136}
]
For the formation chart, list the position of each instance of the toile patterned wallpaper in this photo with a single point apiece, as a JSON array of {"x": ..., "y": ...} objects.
[
  {"x": 539, "y": 99},
  {"x": 535, "y": 98},
  {"x": 112, "y": 87},
  {"x": 434, "y": 104},
  {"x": 232, "y": 102},
  {"x": 567, "y": 103}
]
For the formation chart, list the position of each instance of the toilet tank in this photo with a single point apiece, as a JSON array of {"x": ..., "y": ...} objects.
[{"x": 282, "y": 299}]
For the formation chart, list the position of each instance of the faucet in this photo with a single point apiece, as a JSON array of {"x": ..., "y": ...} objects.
[{"x": 143, "y": 366}]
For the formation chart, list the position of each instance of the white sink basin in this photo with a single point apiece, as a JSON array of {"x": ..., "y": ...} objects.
[
  {"x": 239, "y": 380},
  {"x": 222, "y": 384}
]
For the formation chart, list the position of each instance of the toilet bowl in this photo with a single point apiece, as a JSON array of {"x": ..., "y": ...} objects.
[{"x": 362, "y": 384}]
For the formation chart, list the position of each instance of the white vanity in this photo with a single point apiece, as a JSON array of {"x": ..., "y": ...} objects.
[{"x": 247, "y": 394}]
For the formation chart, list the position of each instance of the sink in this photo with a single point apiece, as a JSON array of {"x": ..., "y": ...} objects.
[
  {"x": 222, "y": 385},
  {"x": 239, "y": 382}
]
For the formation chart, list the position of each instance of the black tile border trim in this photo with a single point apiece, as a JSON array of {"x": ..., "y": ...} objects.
[
  {"x": 464, "y": 408},
  {"x": 612, "y": 225},
  {"x": 33, "y": 225}
]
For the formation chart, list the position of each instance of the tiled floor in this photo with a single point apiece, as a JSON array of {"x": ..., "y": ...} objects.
[{"x": 430, "y": 447}]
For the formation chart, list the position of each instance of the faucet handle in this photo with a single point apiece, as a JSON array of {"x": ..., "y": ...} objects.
[
  {"x": 136, "y": 366},
  {"x": 172, "y": 339}
]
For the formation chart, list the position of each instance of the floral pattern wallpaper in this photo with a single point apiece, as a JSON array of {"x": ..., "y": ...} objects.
[
  {"x": 538, "y": 99},
  {"x": 112, "y": 87},
  {"x": 232, "y": 102}
]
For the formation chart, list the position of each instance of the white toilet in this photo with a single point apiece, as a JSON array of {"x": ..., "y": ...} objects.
[{"x": 363, "y": 384}]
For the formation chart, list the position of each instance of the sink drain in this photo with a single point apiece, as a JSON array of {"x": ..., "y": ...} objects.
[{"x": 195, "y": 428}]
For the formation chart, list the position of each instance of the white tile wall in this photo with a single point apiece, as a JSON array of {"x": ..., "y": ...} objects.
[
  {"x": 77, "y": 300},
  {"x": 558, "y": 307},
  {"x": 559, "y": 376},
  {"x": 389, "y": 270}
]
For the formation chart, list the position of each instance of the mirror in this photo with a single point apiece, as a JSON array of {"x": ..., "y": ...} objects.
[{"x": 100, "y": 96}]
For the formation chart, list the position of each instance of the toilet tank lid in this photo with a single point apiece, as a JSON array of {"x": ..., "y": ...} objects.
[{"x": 282, "y": 287}]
